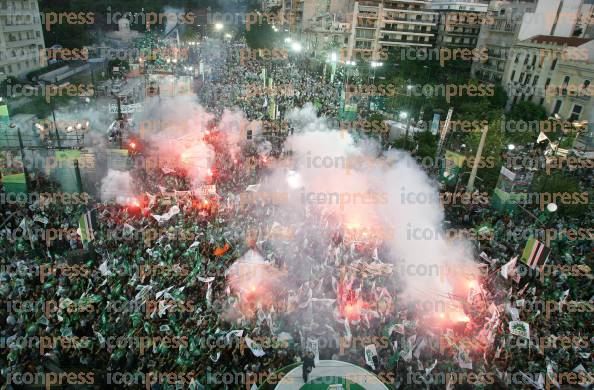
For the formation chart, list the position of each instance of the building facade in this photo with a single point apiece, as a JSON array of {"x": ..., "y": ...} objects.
[
  {"x": 499, "y": 36},
  {"x": 325, "y": 26},
  {"x": 379, "y": 26},
  {"x": 543, "y": 68},
  {"x": 459, "y": 22},
  {"x": 519, "y": 20},
  {"x": 21, "y": 37},
  {"x": 570, "y": 96}
]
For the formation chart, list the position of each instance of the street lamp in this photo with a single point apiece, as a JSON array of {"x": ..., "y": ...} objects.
[
  {"x": 375, "y": 64},
  {"x": 552, "y": 207},
  {"x": 349, "y": 65},
  {"x": 219, "y": 26},
  {"x": 296, "y": 46},
  {"x": 511, "y": 147},
  {"x": 404, "y": 115}
]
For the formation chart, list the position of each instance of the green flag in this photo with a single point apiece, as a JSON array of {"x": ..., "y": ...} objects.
[
  {"x": 535, "y": 253},
  {"x": 452, "y": 165}
]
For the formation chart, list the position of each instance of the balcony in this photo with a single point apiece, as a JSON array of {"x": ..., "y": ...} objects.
[
  {"x": 407, "y": 32},
  {"x": 20, "y": 27},
  {"x": 22, "y": 57},
  {"x": 22, "y": 42},
  {"x": 420, "y": 22},
  {"x": 404, "y": 42},
  {"x": 504, "y": 27}
]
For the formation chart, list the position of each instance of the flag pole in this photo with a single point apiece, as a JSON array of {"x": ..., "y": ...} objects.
[{"x": 479, "y": 152}]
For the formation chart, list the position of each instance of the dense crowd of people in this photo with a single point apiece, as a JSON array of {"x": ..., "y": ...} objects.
[{"x": 153, "y": 291}]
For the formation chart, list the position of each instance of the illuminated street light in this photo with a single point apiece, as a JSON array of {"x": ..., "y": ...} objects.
[
  {"x": 511, "y": 147},
  {"x": 219, "y": 26},
  {"x": 288, "y": 40},
  {"x": 333, "y": 57},
  {"x": 552, "y": 207},
  {"x": 403, "y": 115},
  {"x": 296, "y": 46}
]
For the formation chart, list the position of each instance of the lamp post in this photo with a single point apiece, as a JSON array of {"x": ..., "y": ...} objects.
[
  {"x": 374, "y": 65},
  {"x": 349, "y": 65},
  {"x": 333, "y": 61},
  {"x": 404, "y": 115},
  {"x": 479, "y": 152}
]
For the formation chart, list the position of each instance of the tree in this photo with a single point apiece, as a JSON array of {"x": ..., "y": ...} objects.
[
  {"x": 261, "y": 36},
  {"x": 560, "y": 182}
]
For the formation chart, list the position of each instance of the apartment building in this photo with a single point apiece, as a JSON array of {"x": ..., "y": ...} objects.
[
  {"x": 21, "y": 37},
  {"x": 325, "y": 26},
  {"x": 518, "y": 20},
  {"x": 585, "y": 23},
  {"x": 551, "y": 71},
  {"x": 499, "y": 36},
  {"x": 459, "y": 22},
  {"x": 380, "y": 26}
]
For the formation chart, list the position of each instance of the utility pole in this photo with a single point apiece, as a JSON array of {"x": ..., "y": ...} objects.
[
  {"x": 479, "y": 152},
  {"x": 21, "y": 146},
  {"x": 55, "y": 126},
  {"x": 78, "y": 178},
  {"x": 406, "y": 134}
]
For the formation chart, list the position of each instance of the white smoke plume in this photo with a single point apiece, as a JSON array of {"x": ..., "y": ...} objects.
[
  {"x": 117, "y": 186},
  {"x": 332, "y": 173}
]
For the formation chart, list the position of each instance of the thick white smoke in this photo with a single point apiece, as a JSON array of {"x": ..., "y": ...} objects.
[
  {"x": 117, "y": 186},
  {"x": 333, "y": 173}
]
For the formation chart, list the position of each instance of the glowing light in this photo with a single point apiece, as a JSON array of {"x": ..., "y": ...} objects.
[
  {"x": 353, "y": 225},
  {"x": 442, "y": 315},
  {"x": 206, "y": 202},
  {"x": 296, "y": 46},
  {"x": 133, "y": 145},
  {"x": 293, "y": 179},
  {"x": 209, "y": 172},
  {"x": 264, "y": 160},
  {"x": 253, "y": 288},
  {"x": 460, "y": 317},
  {"x": 219, "y": 26},
  {"x": 473, "y": 284}
]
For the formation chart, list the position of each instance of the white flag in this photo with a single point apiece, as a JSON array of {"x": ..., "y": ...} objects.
[
  {"x": 370, "y": 352},
  {"x": 542, "y": 137}
]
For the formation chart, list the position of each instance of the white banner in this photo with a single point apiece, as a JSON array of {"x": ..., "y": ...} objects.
[{"x": 126, "y": 108}]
